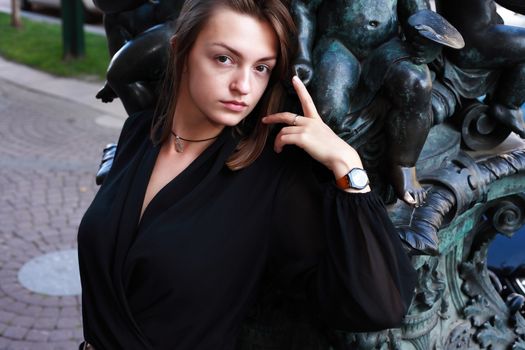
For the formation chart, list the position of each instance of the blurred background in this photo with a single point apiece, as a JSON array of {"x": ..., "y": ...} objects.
[{"x": 52, "y": 132}]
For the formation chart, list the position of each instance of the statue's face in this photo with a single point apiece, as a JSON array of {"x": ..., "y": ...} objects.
[
  {"x": 115, "y": 6},
  {"x": 227, "y": 69}
]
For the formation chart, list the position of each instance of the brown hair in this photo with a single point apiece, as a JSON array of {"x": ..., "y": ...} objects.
[{"x": 192, "y": 18}]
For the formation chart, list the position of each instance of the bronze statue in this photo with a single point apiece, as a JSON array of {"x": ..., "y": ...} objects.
[
  {"x": 351, "y": 50},
  {"x": 138, "y": 33},
  {"x": 492, "y": 47}
]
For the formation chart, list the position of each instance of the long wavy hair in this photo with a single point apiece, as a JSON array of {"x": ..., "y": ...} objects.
[{"x": 191, "y": 20}]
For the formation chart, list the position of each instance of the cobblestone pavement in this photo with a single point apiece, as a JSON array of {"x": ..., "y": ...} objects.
[{"x": 49, "y": 152}]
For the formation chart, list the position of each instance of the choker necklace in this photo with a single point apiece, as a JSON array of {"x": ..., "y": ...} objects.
[{"x": 179, "y": 145}]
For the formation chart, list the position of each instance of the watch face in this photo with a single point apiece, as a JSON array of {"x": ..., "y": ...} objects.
[{"x": 358, "y": 178}]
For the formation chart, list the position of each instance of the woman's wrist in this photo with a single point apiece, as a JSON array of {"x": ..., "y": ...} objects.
[{"x": 341, "y": 165}]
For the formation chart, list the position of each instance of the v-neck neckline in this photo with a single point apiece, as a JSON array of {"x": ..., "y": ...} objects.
[{"x": 182, "y": 178}]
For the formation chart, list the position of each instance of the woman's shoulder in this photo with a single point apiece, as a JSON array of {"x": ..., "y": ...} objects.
[
  {"x": 135, "y": 132},
  {"x": 138, "y": 123}
]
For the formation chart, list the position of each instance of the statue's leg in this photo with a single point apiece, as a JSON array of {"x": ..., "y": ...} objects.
[
  {"x": 409, "y": 89},
  {"x": 336, "y": 74},
  {"x": 116, "y": 36},
  {"x": 139, "y": 62},
  {"x": 493, "y": 47},
  {"x": 506, "y": 51},
  {"x": 500, "y": 47},
  {"x": 509, "y": 95}
]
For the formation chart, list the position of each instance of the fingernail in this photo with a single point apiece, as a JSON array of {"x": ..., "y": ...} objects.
[{"x": 296, "y": 78}]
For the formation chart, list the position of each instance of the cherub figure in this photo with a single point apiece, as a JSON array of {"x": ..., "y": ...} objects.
[
  {"x": 138, "y": 33},
  {"x": 349, "y": 50},
  {"x": 491, "y": 45}
]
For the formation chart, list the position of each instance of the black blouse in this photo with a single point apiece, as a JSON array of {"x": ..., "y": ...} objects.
[{"x": 185, "y": 276}]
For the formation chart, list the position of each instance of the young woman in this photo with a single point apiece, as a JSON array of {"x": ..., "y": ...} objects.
[{"x": 198, "y": 212}]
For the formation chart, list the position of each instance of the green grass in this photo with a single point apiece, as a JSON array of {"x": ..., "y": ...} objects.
[{"x": 39, "y": 45}]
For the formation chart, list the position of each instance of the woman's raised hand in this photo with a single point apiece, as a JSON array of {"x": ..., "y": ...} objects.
[{"x": 311, "y": 134}]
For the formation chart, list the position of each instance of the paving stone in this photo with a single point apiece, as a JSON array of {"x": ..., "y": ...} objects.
[
  {"x": 34, "y": 310},
  {"x": 26, "y": 297},
  {"x": 23, "y": 345},
  {"x": 3, "y": 327},
  {"x": 67, "y": 345},
  {"x": 37, "y": 335},
  {"x": 24, "y": 321},
  {"x": 48, "y": 346},
  {"x": 68, "y": 322},
  {"x": 70, "y": 311},
  {"x": 61, "y": 334},
  {"x": 69, "y": 301},
  {"x": 50, "y": 312},
  {"x": 16, "y": 307},
  {"x": 50, "y": 301},
  {"x": 45, "y": 323},
  {"x": 78, "y": 333},
  {"x": 15, "y": 332},
  {"x": 4, "y": 343},
  {"x": 13, "y": 265}
]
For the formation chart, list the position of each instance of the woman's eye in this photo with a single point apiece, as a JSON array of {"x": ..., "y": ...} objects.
[
  {"x": 263, "y": 68},
  {"x": 223, "y": 59}
]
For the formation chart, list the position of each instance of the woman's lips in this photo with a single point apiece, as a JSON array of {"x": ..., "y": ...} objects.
[{"x": 236, "y": 106}]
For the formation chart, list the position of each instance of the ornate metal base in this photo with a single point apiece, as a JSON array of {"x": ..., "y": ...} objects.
[{"x": 471, "y": 199}]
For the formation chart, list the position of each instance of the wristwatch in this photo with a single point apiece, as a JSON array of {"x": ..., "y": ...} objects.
[{"x": 356, "y": 179}]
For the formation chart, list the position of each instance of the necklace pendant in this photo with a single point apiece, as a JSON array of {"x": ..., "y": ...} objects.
[{"x": 179, "y": 145}]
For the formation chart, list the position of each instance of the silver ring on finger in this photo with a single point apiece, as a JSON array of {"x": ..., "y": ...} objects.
[{"x": 295, "y": 120}]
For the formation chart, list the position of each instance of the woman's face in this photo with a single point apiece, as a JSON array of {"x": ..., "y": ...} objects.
[{"x": 228, "y": 68}]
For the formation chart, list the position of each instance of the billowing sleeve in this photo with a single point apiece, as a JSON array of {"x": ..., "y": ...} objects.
[{"x": 343, "y": 250}]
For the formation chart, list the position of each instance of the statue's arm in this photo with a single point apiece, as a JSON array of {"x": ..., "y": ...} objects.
[{"x": 304, "y": 13}]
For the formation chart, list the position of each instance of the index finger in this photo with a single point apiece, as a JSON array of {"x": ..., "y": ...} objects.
[{"x": 307, "y": 103}]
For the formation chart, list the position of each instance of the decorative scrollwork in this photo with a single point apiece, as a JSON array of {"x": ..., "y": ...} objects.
[
  {"x": 497, "y": 324},
  {"x": 478, "y": 130},
  {"x": 508, "y": 215}
]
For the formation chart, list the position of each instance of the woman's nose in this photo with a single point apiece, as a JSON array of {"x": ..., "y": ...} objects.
[{"x": 241, "y": 82}]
